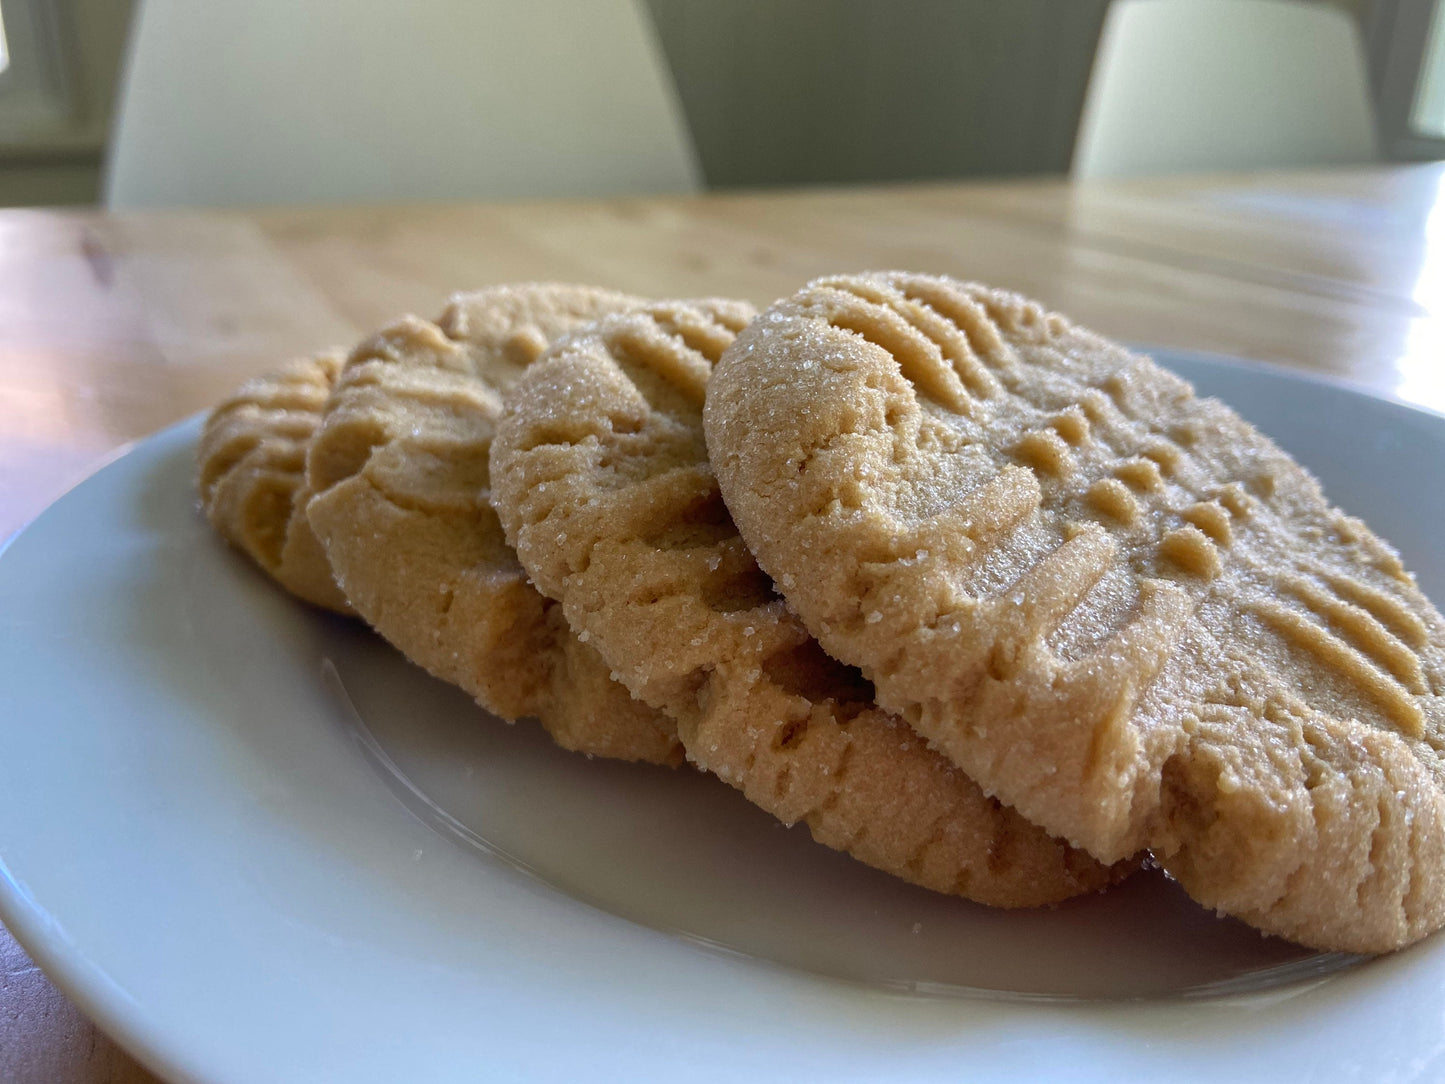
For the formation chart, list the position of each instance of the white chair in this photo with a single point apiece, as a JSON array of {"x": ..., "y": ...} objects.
[
  {"x": 1182, "y": 86},
  {"x": 323, "y": 101}
]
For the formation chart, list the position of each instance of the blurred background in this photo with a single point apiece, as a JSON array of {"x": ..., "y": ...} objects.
[{"x": 165, "y": 102}]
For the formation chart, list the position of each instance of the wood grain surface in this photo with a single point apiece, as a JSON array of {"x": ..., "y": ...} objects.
[{"x": 114, "y": 326}]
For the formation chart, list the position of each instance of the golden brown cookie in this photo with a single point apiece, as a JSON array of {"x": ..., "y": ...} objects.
[
  {"x": 601, "y": 478},
  {"x": 399, "y": 469},
  {"x": 1116, "y": 605},
  {"x": 252, "y": 475}
]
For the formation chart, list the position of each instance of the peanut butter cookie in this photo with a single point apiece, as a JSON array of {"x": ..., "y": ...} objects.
[
  {"x": 252, "y": 475},
  {"x": 399, "y": 472},
  {"x": 1117, "y": 606},
  {"x": 601, "y": 478}
]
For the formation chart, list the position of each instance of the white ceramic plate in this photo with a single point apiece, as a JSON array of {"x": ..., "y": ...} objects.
[{"x": 258, "y": 846}]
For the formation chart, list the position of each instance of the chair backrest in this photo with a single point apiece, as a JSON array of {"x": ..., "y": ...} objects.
[
  {"x": 1182, "y": 86},
  {"x": 321, "y": 101}
]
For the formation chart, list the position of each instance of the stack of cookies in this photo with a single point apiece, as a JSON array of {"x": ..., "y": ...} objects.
[{"x": 984, "y": 599}]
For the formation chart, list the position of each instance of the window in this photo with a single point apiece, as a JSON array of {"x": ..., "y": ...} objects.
[
  {"x": 35, "y": 95},
  {"x": 1427, "y": 118},
  {"x": 1407, "y": 68},
  {"x": 4, "y": 52}
]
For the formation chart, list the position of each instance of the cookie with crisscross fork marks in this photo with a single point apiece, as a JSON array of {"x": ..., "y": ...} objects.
[
  {"x": 399, "y": 472},
  {"x": 252, "y": 475},
  {"x": 601, "y": 478},
  {"x": 1116, "y": 605}
]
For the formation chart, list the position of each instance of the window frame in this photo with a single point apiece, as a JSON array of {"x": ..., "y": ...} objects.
[{"x": 1397, "y": 36}]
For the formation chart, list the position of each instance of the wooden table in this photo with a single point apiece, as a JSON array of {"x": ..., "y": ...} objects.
[{"x": 113, "y": 326}]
